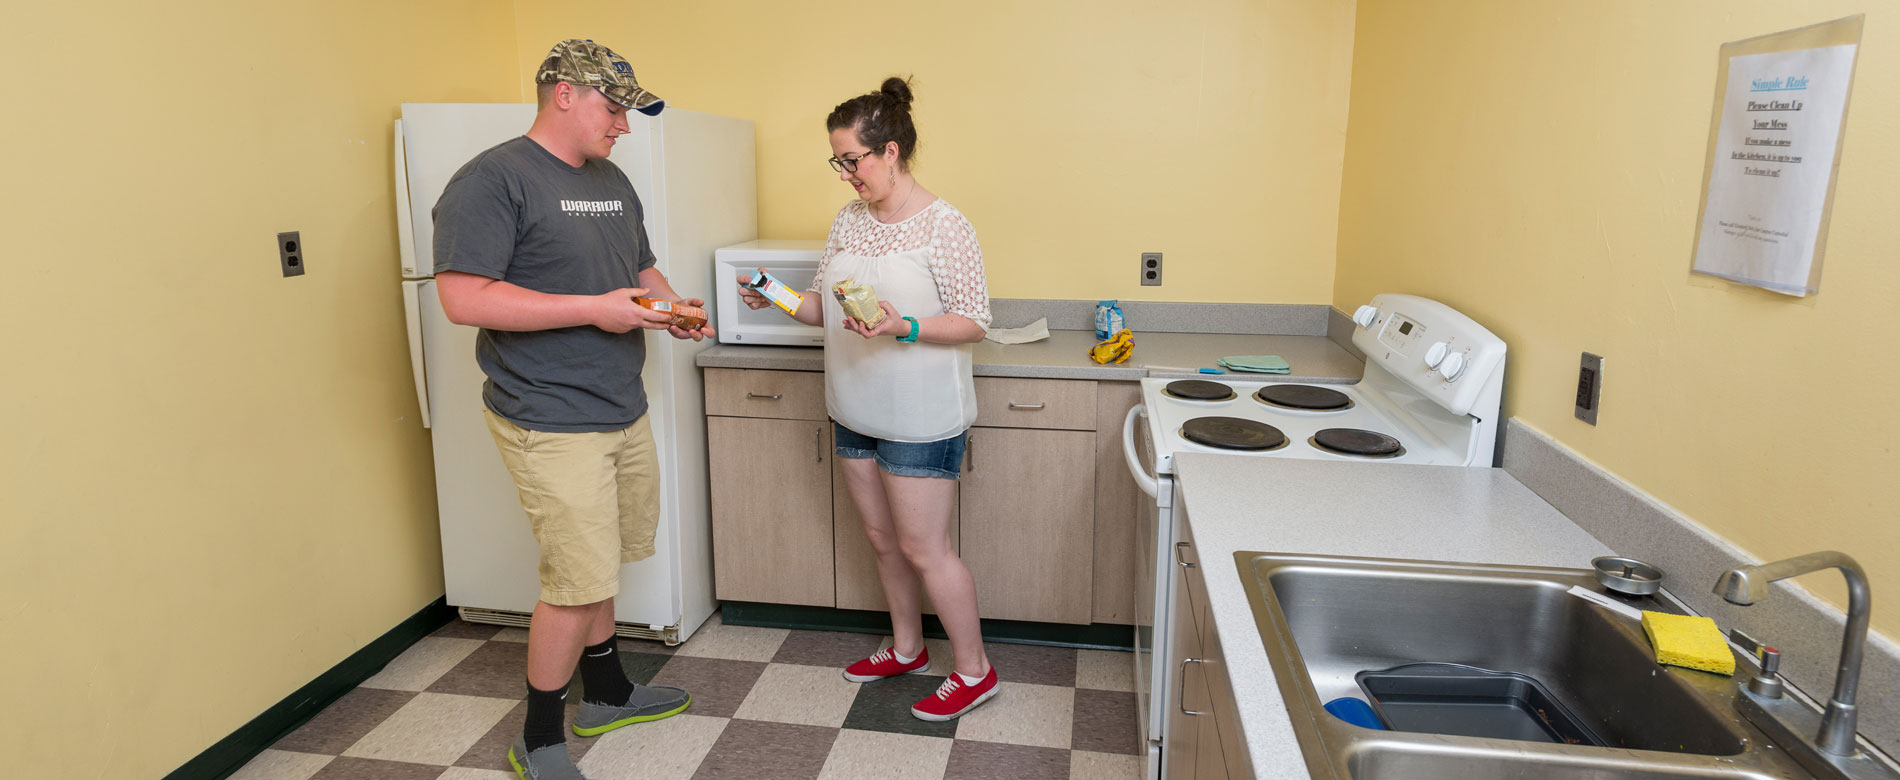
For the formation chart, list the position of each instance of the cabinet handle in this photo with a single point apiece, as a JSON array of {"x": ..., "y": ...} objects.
[
  {"x": 1177, "y": 555},
  {"x": 818, "y": 437},
  {"x": 773, "y": 397},
  {"x": 1014, "y": 405},
  {"x": 1181, "y": 697},
  {"x": 970, "y": 445}
]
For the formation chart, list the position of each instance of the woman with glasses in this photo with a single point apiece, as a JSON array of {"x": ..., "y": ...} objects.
[{"x": 900, "y": 393}]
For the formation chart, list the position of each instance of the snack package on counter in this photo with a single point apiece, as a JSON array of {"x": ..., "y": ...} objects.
[
  {"x": 684, "y": 317},
  {"x": 775, "y": 291},
  {"x": 859, "y": 302},
  {"x": 1115, "y": 350},
  {"x": 1108, "y": 319}
]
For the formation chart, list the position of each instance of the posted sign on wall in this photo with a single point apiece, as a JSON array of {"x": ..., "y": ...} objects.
[{"x": 1774, "y": 146}]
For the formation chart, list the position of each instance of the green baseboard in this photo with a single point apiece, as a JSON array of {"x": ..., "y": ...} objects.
[
  {"x": 231, "y": 753},
  {"x": 1094, "y": 636}
]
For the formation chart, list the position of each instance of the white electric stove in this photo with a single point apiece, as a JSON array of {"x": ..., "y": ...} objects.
[{"x": 1430, "y": 395}]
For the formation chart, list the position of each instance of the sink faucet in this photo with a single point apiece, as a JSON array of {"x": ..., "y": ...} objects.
[{"x": 1749, "y": 584}]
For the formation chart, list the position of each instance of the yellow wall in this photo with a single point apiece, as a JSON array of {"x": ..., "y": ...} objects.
[
  {"x": 1538, "y": 165},
  {"x": 215, "y": 485},
  {"x": 1075, "y": 135}
]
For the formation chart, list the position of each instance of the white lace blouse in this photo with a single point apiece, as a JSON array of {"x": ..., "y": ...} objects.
[
  {"x": 947, "y": 238},
  {"x": 926, "y": 265}
]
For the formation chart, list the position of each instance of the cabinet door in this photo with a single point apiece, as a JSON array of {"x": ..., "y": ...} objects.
[
  {"x": 1029, "y": 523},
  {"x": 1119, "y": 504},
  {"x": 771, "y": 510},
  {"x": 1181, "y": 739},
  {"x": 858, "y": 585}
]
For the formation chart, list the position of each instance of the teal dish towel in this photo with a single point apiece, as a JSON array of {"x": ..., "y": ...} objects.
[{"x": 1257, "y": 364}]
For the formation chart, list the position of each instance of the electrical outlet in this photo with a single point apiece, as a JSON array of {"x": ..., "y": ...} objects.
[
  {"x": 1151, "y": 269},
  {"x": 1589, "y": 387},
  {"x": 290, "y": 253}
]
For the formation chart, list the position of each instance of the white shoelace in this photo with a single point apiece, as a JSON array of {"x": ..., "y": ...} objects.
[
  {"x": 949, "y": 686},
  {"x": 882, "y": 656}
]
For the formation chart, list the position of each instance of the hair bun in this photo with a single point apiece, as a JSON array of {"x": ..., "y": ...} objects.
[{"x": 897, "y": 89}]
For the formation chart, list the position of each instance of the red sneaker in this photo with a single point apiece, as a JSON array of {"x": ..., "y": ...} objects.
[
  {"x": 884, "y": 663},
  {"x": 954, "y": 698}
]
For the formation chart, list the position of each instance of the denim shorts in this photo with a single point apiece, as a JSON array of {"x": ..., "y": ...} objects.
[{"x": 942, "y": 459}]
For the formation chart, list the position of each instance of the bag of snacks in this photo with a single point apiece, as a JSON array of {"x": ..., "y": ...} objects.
[{"x": 859, "y": 302}]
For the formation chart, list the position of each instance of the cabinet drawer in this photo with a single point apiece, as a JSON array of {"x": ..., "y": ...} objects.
[
  {"x": 783, "y": 395},
  {"x": 1003, "y": 402}
]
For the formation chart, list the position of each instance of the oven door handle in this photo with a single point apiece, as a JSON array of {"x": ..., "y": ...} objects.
[{"x": 1135, "y": 469}]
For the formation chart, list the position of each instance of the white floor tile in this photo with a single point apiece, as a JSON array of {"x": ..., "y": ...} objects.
[
  {"x": 282, "y": 765},
  {"x": 861, "y": 754},
  {"x": 1105, "y": 670},
  {"x": 672, "y": 747},
  {"x": 466, "y": 773},
  {"x": 1105, "y": 766},
  {"x": 811, "y": 695},
  {"x": 433, "y": 728},
  {"x": 1023, "y": 714},
  {"x": 735, "y": 643},
  {"x": 425, "y": 661}
]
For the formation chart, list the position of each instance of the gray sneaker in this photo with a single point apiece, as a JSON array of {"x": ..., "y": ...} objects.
[
  {"x": 547, "y": 763},
  {"x": 648, "y": 702}
]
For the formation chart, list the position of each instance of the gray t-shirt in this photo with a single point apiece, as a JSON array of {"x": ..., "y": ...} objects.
[{"x": 519, "y": 214}]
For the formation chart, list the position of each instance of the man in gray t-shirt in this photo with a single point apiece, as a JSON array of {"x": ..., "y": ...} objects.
[{"x": 540, "y": 242}]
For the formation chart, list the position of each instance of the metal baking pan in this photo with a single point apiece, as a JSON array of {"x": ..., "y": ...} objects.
[{"x": 1459, "y": 700}]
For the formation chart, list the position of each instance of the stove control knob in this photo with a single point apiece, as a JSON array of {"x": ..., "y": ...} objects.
[
  {"x": 1452, "y": 366},
  {"x": 1365, "y": 315},
  {"x": 1436, "y": 354}
]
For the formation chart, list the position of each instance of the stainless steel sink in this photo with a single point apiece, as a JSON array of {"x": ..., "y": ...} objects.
[{"x": 1324, "y": 619}]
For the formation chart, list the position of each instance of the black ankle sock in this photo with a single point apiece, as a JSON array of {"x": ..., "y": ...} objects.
[
  {"x": 603, "y": 681},
  {"x": 543, "y": 727}
]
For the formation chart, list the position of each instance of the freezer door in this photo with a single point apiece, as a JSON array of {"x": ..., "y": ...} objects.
[
  {"x": 435, "y": 141},
  {"x": 489, "y": 556}
]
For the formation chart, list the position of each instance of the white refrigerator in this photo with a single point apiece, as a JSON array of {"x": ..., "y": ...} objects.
[{"x": 695, "y": 176}]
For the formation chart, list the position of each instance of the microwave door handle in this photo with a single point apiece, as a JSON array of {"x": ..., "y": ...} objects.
[{"x": 1135, "y": 469}]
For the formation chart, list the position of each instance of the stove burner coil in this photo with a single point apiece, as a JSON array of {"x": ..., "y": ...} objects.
[
  {"x": 1352, "y": 441},
  {"x": 1303, "y": 397},
  {"x": 1233, "y": 433},
  {"x": 1199, "y": 390}
]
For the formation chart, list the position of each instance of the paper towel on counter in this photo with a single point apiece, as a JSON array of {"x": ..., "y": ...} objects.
[{"x": 1035, "y": 331}]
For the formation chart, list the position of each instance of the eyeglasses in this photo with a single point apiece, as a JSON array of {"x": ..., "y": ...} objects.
[{"x": 848, "y": 164}]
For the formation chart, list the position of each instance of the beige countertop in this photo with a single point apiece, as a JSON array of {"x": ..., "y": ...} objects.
[{"x": 1064, "y": 355}]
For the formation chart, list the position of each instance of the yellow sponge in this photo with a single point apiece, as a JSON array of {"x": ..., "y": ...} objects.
[{"x": 1693, "y": 642}]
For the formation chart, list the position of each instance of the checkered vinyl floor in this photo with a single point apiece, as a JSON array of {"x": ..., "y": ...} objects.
[{"x": 767, "y": 703}]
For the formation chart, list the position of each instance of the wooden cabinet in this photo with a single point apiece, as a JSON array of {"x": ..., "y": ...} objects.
[
  {"x": 1046, "y": 513},
  {"x": 771, "y": 497},
  {"x": 1203, "y": 739},
  {"x": 1029, "y": 523}
]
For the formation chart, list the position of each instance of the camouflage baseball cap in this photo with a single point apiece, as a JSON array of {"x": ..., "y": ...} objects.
[{"x": 589, "y": 64}]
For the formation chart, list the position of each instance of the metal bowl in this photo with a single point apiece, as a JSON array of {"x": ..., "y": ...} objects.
[{"x": 1628, "y": 575}]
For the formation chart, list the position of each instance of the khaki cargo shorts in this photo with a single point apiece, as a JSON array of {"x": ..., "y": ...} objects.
[{"x": 593, "y": 502}]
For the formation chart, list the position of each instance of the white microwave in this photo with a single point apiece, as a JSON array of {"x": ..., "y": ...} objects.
[{"x": 793, "y": 262}]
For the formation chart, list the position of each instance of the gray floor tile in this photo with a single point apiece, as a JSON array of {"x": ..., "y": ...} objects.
[
  {"x": 718, "y": 685},
  {"x": 1035, "y": 664},
  {"x": 496, "y": 669},
  {"x": 752, "y": 750},
  {"x": 372, "y": 769},
  {"x": 1104, "y": 721},
  {"x": 826, "y": 648},
  {"x": 345, "y": 721},
  {"x": 997, "y": 761},
  {"x": 491, "y": 751},
  {"x": 885, "y": 705},
  {"x": 462, "y": 629}
]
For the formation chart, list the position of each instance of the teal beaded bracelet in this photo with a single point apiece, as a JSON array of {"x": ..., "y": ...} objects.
[{"x": 914, "y": 330}]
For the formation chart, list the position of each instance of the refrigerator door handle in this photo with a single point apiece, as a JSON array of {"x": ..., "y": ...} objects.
[
  {"x": 412, "y": 314},
  {"x": 405, "y": 227}
]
